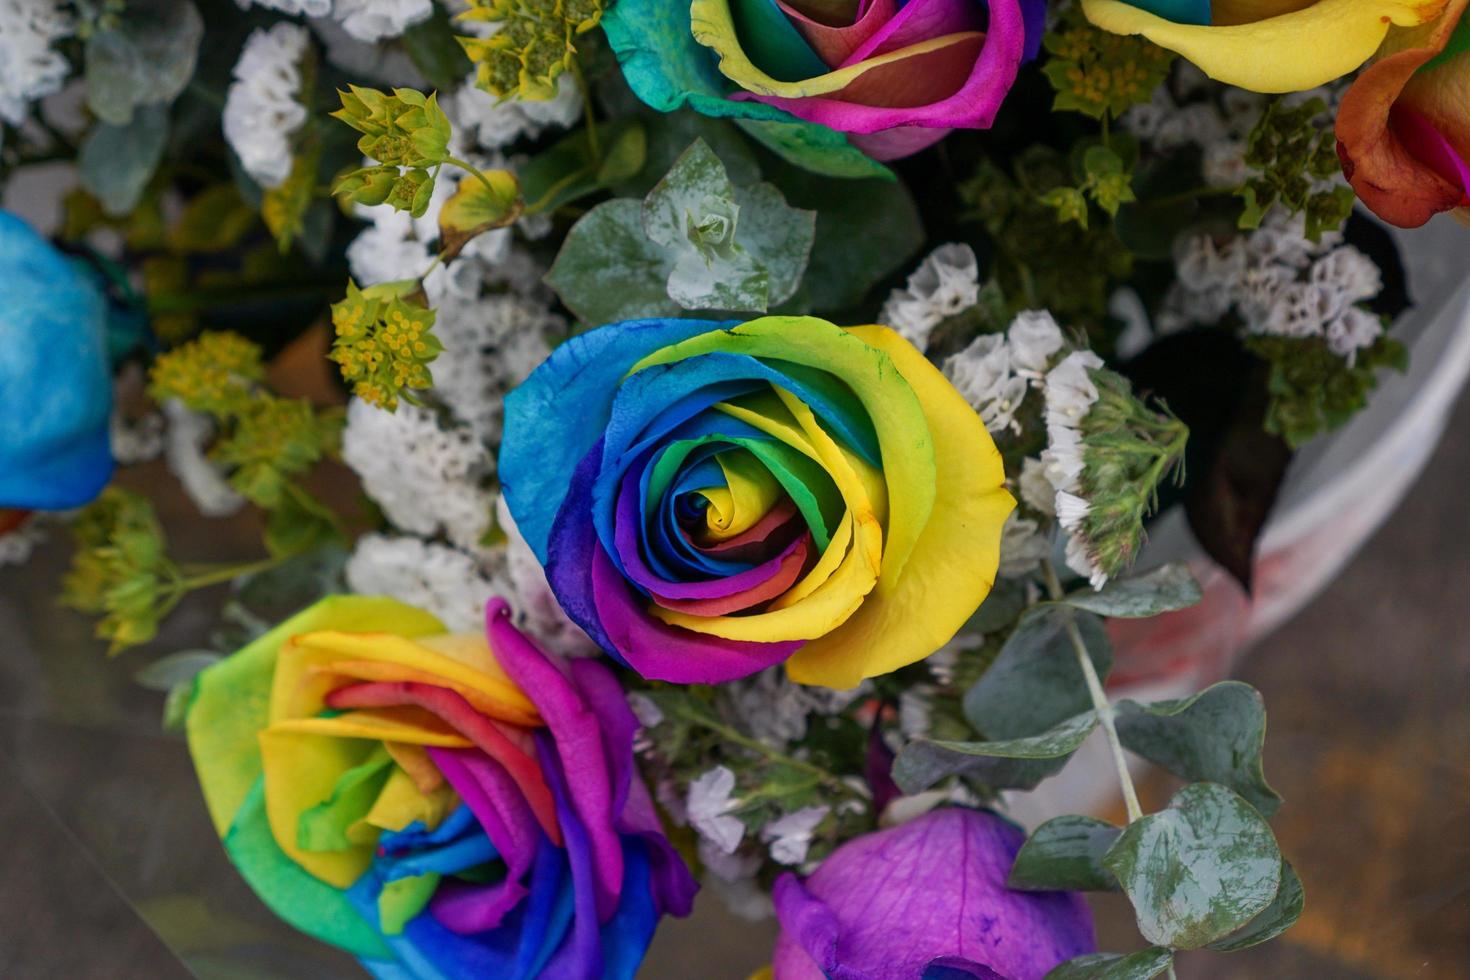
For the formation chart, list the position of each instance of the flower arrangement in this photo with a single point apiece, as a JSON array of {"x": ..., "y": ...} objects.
[{"x": 762, "y": 407}]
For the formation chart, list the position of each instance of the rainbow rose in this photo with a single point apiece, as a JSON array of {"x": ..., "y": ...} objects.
[
  {"x": 433, "y": 803},
  {"x": 1403, "y": 128},
  {"x": 926, "y": 899},
  {"x": 1265, "y": 45},
  {"x": 895, "y": 77},
  {"x": 710, "y": 499}
]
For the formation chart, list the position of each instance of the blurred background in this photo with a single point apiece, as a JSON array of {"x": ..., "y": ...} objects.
[{"x": 111, "y": 868}]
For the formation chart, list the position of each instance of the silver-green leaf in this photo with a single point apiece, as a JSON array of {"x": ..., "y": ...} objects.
[
  {"x": 1164, "y": 589},
  {"x": 608, "y": 270},
  {"x": 1065, "y": 854},
  {"x": 1018, "y": 763},
  {"x": 1279, "y": 916},
  {"x": 147, "y": 59},
  {"x": 1215, "y": 736},
  {"x": 1142, "y": 965},
  {"x": 1198, "y": 870},
  {"x": 1036, "y": 681}
]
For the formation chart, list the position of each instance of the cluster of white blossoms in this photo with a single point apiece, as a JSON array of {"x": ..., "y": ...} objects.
[
  {"x": 497, "y": 123},
  {"x": 30, "y": 66},
  {"x": 185, "y": 439},
  {"x": 428, "y": 477},
  {"x": 996, "y": 370},
  {"x": 1279, "y": 283},
  {"x": 1070, "y": 394},
  {"x": 264, "y": 106},
  {"x": 364, "y": 20},
  {"x": 770, "y": 708},
  {"x": 1190, "y": 116},
  {"x": 435, "y": 577},
  {"x": 947, "y": 282}
]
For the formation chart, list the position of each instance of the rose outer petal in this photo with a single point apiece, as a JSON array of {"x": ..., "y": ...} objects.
[
  {"x": 942, "y": 895},
  {"x": 825, "y": 99},
  {"x": 1289, "y": 52},
  {"x": 1388, "y": 176}
]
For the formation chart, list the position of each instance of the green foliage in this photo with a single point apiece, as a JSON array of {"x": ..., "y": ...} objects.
[
  {"x": 1144, "y": 964},
  {"x": 118, "y": 160},
  {"x": 407, "y": 133},
  {"x": 1293, "y": 152},
  {"x": 1039, "y": 261},
  {"x": 1065, "y": 854},
  {"x": 1278, "y": 917},
  {"x": 1198, "y": 870},
  {"x": 1098, "y": 73},
  {"x": 576, "y": 165},
  {"x": 1214, "y": 736},
  {"x": 265, "y": 442},
  {"x": 384, "y": 341},
  {"x": 1129, "y": 449},
  {"x": 482, "y": 201},
  {"x": 215, "y": 374},
  {"x": 120, "y": 569},
  {"x": 533, "y": 46},
  {"x": 697, "y": 241},
  {"x": 1016, "y": 763},
  {"x": 143, "y": 57},
  {"x": 1036, "y": 681},
  {"x": 1314, "y": 390},
  {"x": 404, "y": 129},
  {"x": 1160, "y": 590}
]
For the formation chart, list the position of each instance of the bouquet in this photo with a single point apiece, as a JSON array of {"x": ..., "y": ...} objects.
[{"x": 705, "y": 443}]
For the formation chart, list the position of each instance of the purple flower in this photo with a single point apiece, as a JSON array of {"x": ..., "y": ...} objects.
[{"x": 929, "y": 895}]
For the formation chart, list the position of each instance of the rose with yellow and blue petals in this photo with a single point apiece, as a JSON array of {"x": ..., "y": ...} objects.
[
  {"x": 710, "y": 499},
  {"x": 439, "y": 805}
]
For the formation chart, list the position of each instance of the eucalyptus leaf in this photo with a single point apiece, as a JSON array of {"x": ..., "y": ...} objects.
[
  {"x": 1163, "y": 589},
  {"x": 1279, "y": 916},
  {"x": 146, "y": 60},
  {"x": 166, "y": 672},
  {"x": 1036, "y": 681},
  {"x": 671, "y": 133},
  {"x": 1142, "y": 965},
  {"x": 1198, "y": 870},
  {"x": 1065, "y": 854},
  {"x": 608, "y": 270},
  {"x": 116, "y": 162},
  {"x": 1018, "y": 763},
  {"x": 731, "y": 280},
  {"x": 1215, "y": 736},
  {"x": 777, "y": 235},
  {"x": 694, "y": 185}
]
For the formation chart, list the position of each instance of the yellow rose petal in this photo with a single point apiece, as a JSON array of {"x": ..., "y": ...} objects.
[
  {"x": 1290, "y": 52},
  {"x": 952, "y": 565}
]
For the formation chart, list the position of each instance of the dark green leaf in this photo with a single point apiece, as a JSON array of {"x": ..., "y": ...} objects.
[
  {"x": 1142, "y": 965},
  {"x": 627, "y": 148},
  {"x": 1036, "y": 681},
  {"x": 436, "y": 52},
  {"x": 1065, "y": 854},
  {"x": 1018, "y": 763},
  {"x": 117, "y": 162},
  {"x": 866, "y": 230},
  {"x": 1279, "y": 916},
  {"x": 1164, "y": 589},
  {"x": 1006, "y": 601},
  {"x": 1215, "y": 736},
  {"x": 1198, "y": 870}
]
